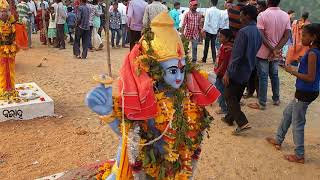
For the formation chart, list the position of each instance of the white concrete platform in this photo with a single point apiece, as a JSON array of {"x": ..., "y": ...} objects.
[{"x": 39, "y": 104}]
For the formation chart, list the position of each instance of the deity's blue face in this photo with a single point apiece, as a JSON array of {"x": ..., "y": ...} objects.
[{"x": 174, "y": 72}]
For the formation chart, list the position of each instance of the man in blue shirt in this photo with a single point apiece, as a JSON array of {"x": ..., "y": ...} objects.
[
  {"x": 242, "y": 63},
  {"x": 175, "y": 15},
  {"x": 82, "y": 31}
]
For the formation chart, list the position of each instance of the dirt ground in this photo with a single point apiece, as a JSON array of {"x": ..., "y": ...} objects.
[{"x": 45, "y": 146}]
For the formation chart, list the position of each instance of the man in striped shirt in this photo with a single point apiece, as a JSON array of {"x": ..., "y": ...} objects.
[
  {"x": 24, "y": 14},
  {"x": 234, "y": 16}
]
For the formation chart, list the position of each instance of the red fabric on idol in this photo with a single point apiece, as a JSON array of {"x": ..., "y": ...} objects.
[
  {"x": 138, "y": 93},
  {"x": 139, "y": 98},
  {"x": 203, "y": 92}
]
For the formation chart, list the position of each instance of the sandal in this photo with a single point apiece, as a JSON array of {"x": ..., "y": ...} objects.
[
  {"x": 294, "y": 158},
  {"x": 242, "y": 129},
  {"x": 256, "y": 106},
  {"x": 274, "y": 143}
]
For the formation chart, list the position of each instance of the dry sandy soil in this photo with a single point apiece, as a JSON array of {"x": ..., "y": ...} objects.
[{"x": 44, "y": 146}]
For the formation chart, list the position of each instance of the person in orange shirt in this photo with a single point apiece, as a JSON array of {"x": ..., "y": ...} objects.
[{"x": 297, "y": 50}]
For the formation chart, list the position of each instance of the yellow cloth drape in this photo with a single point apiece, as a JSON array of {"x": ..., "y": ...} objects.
[{"x": 124, "y": 171}]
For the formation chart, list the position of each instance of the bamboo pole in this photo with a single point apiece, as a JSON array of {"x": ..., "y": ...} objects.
[{"x": 107, "y": 17}]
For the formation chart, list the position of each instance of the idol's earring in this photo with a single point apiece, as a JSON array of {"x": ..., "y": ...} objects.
[{"x": 311, "y": 43}]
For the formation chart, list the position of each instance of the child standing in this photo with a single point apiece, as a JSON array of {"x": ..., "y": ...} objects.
[
  {"x": 71, "y": 21},
  {"x": 115, "y": 25},
  {"x": 52, "y": 31},
  {"x": 307, "y": 90},
  {"x": 225, "y": 38}
]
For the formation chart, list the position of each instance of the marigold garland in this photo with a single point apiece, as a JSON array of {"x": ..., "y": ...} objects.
[{"x": 8, "y": 47}]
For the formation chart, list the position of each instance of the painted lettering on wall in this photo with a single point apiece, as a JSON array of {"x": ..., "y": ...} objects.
[{"x": 13, "y": 114}]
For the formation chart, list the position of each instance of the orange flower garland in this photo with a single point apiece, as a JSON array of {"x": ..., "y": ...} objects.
[{"x": 8, "y": 47}]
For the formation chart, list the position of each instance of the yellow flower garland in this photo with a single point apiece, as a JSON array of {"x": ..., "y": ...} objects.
[
  {"x": 165, "y": 114},
  {"x": 7, "y": 30}
]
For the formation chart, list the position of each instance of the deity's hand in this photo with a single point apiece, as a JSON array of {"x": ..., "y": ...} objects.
[{"x": 99, "y": 100}]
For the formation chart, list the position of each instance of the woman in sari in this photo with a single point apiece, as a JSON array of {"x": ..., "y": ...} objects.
[
  {"x": 297, "y": 50},
  {"x": 43, "y": 30}
]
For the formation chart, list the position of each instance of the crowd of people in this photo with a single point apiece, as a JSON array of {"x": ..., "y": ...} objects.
[
  {"x": 57, "y": 21},
  {"x": 252, "y": 38}
]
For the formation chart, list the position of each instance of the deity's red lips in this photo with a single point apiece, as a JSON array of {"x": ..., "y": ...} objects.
[{"x": 178, "y": 81}]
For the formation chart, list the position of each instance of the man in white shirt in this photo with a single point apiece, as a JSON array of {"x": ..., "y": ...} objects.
[
  {"x": 225, "y": 19},
  {"x": 60, "y": 17},
  {"x": 212, "y": 24},
  {"x": 33, "y": 9},
  {"x": 122, "y": 8},
  {"x": 46, "y": 4}
]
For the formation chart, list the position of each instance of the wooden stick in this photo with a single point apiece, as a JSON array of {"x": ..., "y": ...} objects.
[{"x": 107, "y": 17}]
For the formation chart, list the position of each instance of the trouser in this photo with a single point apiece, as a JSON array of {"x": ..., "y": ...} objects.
[
  {"x": 135, "y": 36},
  {"x": 29, "y": 31},
  {"x": 115, "y": 34},
  {"x": 233, "y": 95},
  {"x": 124, "y": 34},
  {"x": 210, "y": 39},
  {"x": 102, "y": 27},
  {"x": 96, "y": 39},
  {"x": 222, "y": 102},
  {"x": 253, "y": 84},
  {"x": 60, "y": 36},
  {"x": 194, "y": 45},
  {"x": 84, "y": 36},
  {"x": 33, "y": 24},
  {"x": 90, "y": 39},
  {"x": 71, "y": 31},
  {"x": 268, "y": 68},
  {"x": 295, "y": 114}
]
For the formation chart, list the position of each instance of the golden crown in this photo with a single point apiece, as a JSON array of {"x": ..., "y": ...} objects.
[{"x": 166, "y": 42}]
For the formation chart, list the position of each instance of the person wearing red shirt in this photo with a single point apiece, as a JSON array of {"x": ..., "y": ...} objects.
[{"x": 225, "y": 38}]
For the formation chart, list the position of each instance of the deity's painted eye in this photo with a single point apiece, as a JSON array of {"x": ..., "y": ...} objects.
[{"x": 172, "y": 70}]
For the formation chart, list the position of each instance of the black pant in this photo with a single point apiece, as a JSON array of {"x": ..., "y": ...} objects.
[
  {"x": 90, "y": 39},
  {"x": 233, "y": 95},
  {"x": 71, "y": 31},
  {"x": 60, "y": 36},
  {"x": 102, "y": 27},
  {"x": 84, "y": 35},
  {"x": 253, "y": 84},
  {"x": 135, "y": 36},
  {"x": 210, "y": 38}
]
